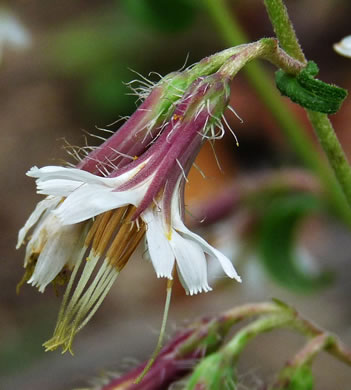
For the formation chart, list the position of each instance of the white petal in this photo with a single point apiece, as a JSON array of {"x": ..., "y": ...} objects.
[
  {"x": 90, "y": 200},
  {"x": 56, "y": 172},
  {"x": 41, "y": 207},
  {"x": 57, "y": 187},
  {"x": 78, "y": 175},
  {"x": 160, "y": 251},
  {"x": 226, "y": 264},
  {"x": 191, "y": 264},
  {"x": 61, "y": 245},
  {"x": 47, "y": 226}
]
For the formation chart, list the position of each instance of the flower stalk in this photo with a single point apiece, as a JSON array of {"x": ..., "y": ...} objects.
[
  {"x": 229, "y": 28},
  {"x": 284, "y": 29},
  {"x": 297, "y": 371},
  {"x": 265, "y": 48}
]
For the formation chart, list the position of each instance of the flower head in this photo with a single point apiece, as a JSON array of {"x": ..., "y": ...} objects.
[
  {"x": 144, "y": 195},
  {"x": 45, "y": 232}
]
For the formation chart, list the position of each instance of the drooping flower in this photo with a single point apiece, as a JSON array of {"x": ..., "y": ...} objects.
[
  {"x": 144, "y": 195},
  {"x": 46, "y": 234}
]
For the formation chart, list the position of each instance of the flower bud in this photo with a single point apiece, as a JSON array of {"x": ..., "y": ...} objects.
[{"x": 175, "y": 360}]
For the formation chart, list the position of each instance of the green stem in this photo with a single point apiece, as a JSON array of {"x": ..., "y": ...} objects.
[
  {"x": 264, "y": 324},
  {"x": 324, "y": 130},
  {"x": 265, "y": 48},
  {"x": 334, "y": 346},
  {"x": 232, "y": 34},
  {"x": 210, "y": 335},
  {"x": 313, "y": 347},
  {"x": 284, "y": 29},
  {"x": 333, "y": 150},
  {"x": 299, "y": 365},
  {"x": 274, "y": 316}
]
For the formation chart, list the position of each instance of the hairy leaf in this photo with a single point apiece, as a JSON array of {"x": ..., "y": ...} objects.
[{"x": 309, "y": 92}]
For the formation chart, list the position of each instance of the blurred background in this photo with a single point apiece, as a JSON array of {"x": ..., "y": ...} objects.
[{"x": 63, "y": 69}]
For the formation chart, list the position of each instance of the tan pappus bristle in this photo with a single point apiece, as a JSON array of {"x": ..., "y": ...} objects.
[
  {"x": 116, "y": 233},
  {"x": 134, "y": 240},
  {"x": 125, "y": 241},
  {"x": 105, "y": 217},
  {"x": 121, "y": 239},
  {"x": 92, "y": 231},
  {"x": 103, "y": 228},
  {"x": 110, "y": 229}
]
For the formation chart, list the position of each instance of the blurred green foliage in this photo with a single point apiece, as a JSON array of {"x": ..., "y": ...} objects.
[
  {"x": 162, "y": 15},
  {"x": 97, "y": 53},
  {"x": 277, "y": 241},
  {"x": 21, "y": 348}
]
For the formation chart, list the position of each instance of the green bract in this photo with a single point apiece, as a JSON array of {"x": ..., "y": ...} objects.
[
  {"x": 309, "y": 92},
  {"x": 213, "y": 373}
]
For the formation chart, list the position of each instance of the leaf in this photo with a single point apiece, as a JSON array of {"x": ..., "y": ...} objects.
[
  {"x": 166, "y": 16},
  {"x": 309, "y": 92},
  {"x": 277, "y": 246}
]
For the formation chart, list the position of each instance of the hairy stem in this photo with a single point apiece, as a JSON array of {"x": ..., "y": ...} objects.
[
  {"x": 278, "y": 315},
  {"x": 323, "y": 128},
  {"x": 265, "y": 48},
  {"x": 284, "y": 29}
]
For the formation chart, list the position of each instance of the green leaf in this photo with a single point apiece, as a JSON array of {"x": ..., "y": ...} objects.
[
  {"x": 78, "y": 50},
  {"x": 165, "y": 16},
  {"x": 276, "y": 241},
  {"x": 309, "y": 92}
]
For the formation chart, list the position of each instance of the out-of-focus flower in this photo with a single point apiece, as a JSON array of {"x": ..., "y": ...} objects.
[
  {"x": 175, "y": 360},
  {"x": 180, "y": 355},
  {"x": 143, "y": 195},
  {"x": 12, "y": 32},
  {"x": 201, "y": 357},
  {"x": 344, "y": 47}
]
